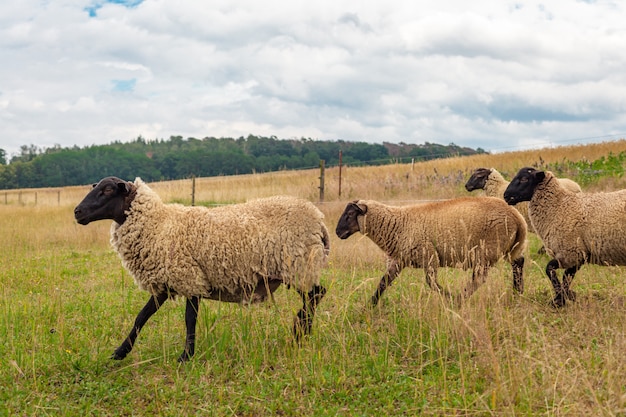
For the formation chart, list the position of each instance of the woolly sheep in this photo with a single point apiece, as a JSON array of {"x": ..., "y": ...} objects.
[
  {"x": 467, "y": 233},
  {"x": 577, "y": 228},
  {"x": 494, "y": 185},
  {"x": 239, "y": 253}
]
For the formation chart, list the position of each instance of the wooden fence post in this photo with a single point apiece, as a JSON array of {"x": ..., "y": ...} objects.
[
  {"x": 322, "y": 180},
  {"x": 193, "y": 190},
  {"x": 340, "y": 154}
]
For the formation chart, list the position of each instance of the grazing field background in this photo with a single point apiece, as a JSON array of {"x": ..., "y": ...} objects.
[{"x": 66, "y": 303}]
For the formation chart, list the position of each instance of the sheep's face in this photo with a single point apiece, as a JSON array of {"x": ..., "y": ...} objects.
[
  {"x": 348, "y": 223},
  {"x": 523, "y": 186},
  {"x": 109, "y": 199},
  {"x": 478, "y": 179}
]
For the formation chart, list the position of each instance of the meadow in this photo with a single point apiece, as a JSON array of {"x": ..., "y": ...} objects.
[{"x": 66, "y": 303}]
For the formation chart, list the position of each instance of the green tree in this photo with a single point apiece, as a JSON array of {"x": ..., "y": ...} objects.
[
  {"x": 365, "y": 152},
  {"x": 177, "y": 157}
]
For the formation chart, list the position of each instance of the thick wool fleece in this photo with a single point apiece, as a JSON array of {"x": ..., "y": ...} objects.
[
  {"x": 194, "y": 251},
  {"x": 461, "y": 233},
  {"x": 580, "y": 227},
  {"x": 496, "y": 185}
]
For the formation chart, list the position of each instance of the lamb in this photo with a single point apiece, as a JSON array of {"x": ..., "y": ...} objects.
[
  {"x": 494, "y": 185},
  {"x": 467, "y": 233},
  {"x": 239, "y": 253},
  {"x": 577, "y": 228}
]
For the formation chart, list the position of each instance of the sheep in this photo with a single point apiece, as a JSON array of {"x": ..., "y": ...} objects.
[
  {"x": 239, "y": 253},
  {"x": 487, "y": 179},
  {"x": 577, "y": 228},
  {"x": 494, "y": 185},
  {"x": 467, "y": 233}
]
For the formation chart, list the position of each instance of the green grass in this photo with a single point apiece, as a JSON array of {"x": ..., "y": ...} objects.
[{"x": 66, "y": 303}]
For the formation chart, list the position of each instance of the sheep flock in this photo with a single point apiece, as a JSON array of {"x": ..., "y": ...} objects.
[{"x": 242, "y": 253}]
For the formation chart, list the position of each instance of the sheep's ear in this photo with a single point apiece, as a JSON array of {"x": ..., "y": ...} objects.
[
  {"x": 359, "y": 206},
  {"x": 539, "y": 176},
  {"x": 124, "y": 187}
]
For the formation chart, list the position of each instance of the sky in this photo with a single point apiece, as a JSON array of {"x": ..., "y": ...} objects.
[{"x": 497, "y": 75}]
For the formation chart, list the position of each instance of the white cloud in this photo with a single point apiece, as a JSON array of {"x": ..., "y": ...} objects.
[{"x": 493, "y": 75}]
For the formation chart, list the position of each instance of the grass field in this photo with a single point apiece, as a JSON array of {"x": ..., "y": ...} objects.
[{"x": 66, "y": 303}]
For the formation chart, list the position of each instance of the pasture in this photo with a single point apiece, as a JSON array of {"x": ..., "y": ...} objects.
[{"x": 66, "y": 303}]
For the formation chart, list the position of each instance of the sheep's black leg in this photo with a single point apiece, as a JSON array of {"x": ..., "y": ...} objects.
[
  {"x": 191, "y": 317},
  {"x": 479, "y": 275},
  {"x": 559, "y": 296},
  {"x": 392, "y": 272},
  {"x": 431, "y": 280},
  {"x": 146, "y": 312},
  {"x": 304, "y": 319},
  {"x": 518, "y": 275},
  {"x": 568, "y": 276}
]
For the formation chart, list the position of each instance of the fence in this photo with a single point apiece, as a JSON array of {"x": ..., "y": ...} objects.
[
  {"x": 181, "y": 190},
  {"x": 30, "y": 198}
]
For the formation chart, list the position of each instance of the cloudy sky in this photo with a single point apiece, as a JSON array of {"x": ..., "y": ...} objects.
[{"x": 500, "y": 75}]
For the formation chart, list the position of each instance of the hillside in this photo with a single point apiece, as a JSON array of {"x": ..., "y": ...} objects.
[
  {"x": 597, "y": 166},
  {"x": 178, "y": 158}
]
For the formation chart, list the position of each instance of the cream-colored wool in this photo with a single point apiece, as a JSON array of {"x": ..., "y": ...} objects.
[
  {"x": 496, "y": 185},
  {"x": 570, "y": 185},
  {"x": 196, "y": 251},
  {"x": 460, "y": 233},
  {"x": 579, "y": 227}
]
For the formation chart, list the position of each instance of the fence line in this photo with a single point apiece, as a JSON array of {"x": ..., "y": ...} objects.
[{"x": 30, "y": 198}]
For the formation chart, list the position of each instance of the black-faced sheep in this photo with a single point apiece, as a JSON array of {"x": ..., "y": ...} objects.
[
  {"x": 468, "y": 233},
  {"x": 577, "y": 228},
  {"x": 239, "y": 253},
  {"x": 494, "y": 185}
]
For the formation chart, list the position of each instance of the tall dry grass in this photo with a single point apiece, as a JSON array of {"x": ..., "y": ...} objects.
[
  {"x": 66, "y": 303},
  {"x": 434, "y": 179}
]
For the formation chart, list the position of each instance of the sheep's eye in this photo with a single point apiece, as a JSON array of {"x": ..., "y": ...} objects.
[{"x": 107, "y": 191}]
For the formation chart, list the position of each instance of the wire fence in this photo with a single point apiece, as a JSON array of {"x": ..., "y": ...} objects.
[{"x": 31, "y": 197}]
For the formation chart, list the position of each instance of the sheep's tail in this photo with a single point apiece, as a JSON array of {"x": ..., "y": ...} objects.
[{"x": 519, "y": 242}]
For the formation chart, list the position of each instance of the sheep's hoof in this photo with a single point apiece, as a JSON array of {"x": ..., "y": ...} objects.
[
  {"x": 119, "y": 354},
  {"x": 559, "y": 301},
  {"x": 184, "y": 357},
  {"x": 570, "y": 295},
  {"x": 374, "y": 301},
  {"x": 302, "y": 325}
]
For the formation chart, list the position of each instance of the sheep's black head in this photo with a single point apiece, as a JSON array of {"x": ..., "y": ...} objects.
[
  {"x": 478, "y": 179},
  {"x": 348, "y": 223},
  {"x": 108, "y": 199},
  {"x": 523, "y": 186}
]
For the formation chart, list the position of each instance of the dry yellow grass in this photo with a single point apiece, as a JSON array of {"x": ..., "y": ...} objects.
[
  {"x": 67, "y": 302},
  {"x": 441, "y": 178}
]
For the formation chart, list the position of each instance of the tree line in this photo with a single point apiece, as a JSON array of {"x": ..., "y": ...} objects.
[{"x": 177, "y": 158}]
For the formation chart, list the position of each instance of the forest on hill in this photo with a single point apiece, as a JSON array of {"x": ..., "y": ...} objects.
[{"x": 177, "y": 158}]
